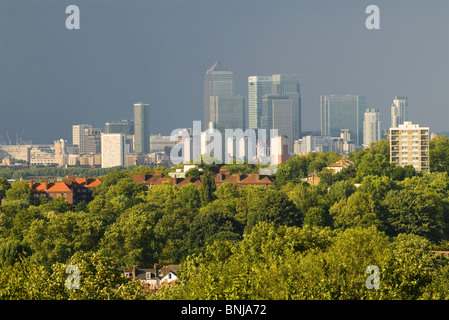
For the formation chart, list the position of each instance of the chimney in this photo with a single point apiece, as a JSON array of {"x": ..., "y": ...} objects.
[
  {"x": 223, "y": 175},
  {"x": 46, "y": 184},
  {"x": 134, "y": 271},
  {"x": 86, "y": 179},
  {"x": 155, "y": 269}
]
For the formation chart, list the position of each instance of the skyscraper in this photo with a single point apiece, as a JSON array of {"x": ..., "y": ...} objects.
[
  {"x": 288, "y": 85},
  {"x": 141, "y": 128},
  {"x": 227, "y": 112},
  {"x": 399, "y": 111},
  {"x": 218, "y": 82},
  {"x": 371, "y": 127},
  {"x": 278, "y": 114},
  {"x": 258, "y": 87},
  {"x": 343, "y": 112}
]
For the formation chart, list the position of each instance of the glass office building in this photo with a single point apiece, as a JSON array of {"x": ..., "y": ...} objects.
[
  {"x": 218, "y": 82},
  {"x": 288, "y": 85},
  {"x": 258, "y": 87},
  {"x": 343, "y": 112}
]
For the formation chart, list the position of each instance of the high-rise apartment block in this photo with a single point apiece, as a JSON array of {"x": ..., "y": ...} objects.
[
  {"x": 340, "y": 112},
  {"x": 371, "y": 127},
  {"x": 113, "y": 150},
  {"x": 141, "y": 128},
  {"x": 399, "y": 111},
  {"x": 409, "y": 145}
]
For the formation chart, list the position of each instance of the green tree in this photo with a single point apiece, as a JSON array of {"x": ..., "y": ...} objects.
[
  {"x": 193, "y": 173},
  {"x": 266, "y": 204},
  {"x": 59, "y": 236},
  {"x": 131, "y": 240},
  {"x": 109, "y": 180},
  {"x": 214, "y": 221},
  {"x": 414, "y": 212},
  {"x": 4, "y": 186},
  {"x": 19, "y": 191},
  {"x": 125, "y": 193},
  {"x": 292, "y": 170},
  {"x": 207, "y": 189},
  {"x": 439, "y": 154},
  {"x": 359, "y": 210}
]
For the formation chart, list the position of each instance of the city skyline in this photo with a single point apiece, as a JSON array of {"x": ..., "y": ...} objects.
[{"x": 53, "y": 78}]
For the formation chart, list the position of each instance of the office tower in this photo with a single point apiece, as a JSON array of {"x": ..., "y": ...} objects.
[
  {"x": 218, "y": 82},
  {"x": 371, "y": 127},
  {"x": 343, "y": 112},
  {"x": 399, "y": 111},
  {"x": 278, "y": 114},
  {"x": 124, "y": 126},
  {"x": 227, "y": 112},
  {"x": 92, "y": 140},
  {"x": 113, "y": 150},
  {"x": 141, "y": 128},
  {"x": 258, "y": 87},
  {"x": 78, "y": 135},
  {"x": 288, "y": 85},
  {"x": 409, "y": 145},
  {"x": 87, "y": 138}
]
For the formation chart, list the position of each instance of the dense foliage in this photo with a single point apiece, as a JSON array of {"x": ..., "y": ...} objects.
[{"x": 289, "y": 241}]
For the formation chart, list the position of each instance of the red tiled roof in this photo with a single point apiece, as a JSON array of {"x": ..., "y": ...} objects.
[
  {"x": 51, "y": 187},
  {"x": 88, "y": 182}
]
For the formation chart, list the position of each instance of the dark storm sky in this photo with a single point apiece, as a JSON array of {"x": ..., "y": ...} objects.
[{"x": 157, "y": 51}]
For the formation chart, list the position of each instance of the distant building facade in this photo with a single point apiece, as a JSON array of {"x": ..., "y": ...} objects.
[
  {"x": 399, "y": 111},
  {"x": 113, "y": 150},
  {"x": 141, "y": 128},
  {"x": 371, "y": 127}
]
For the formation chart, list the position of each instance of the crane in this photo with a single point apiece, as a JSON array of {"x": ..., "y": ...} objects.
[{"x": 7, "y": 135}]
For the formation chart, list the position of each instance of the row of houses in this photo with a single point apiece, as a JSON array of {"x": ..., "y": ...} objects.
[
  {"x": 240, "y": 179},
  {"x": 75, "y": 190}
]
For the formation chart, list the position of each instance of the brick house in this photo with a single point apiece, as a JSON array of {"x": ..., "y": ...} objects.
[{"x": 73, "y": 190}]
